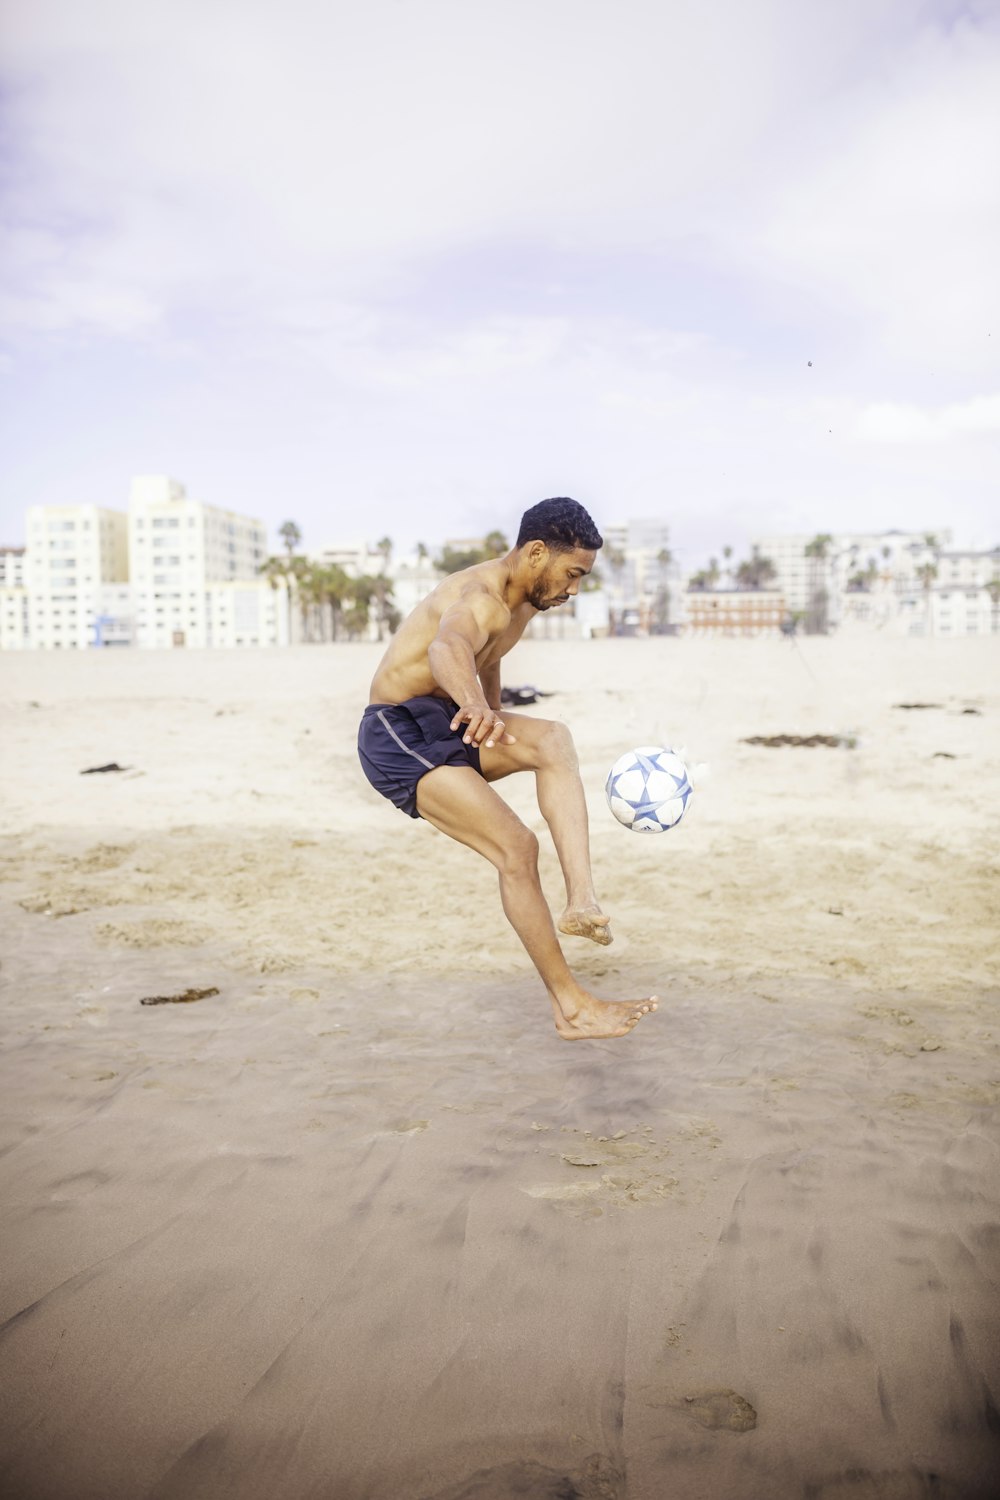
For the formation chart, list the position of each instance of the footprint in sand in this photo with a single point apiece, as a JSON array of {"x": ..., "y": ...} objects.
[
  {"x": 596, "y": 1479},
  {"x": 722, "y": 1408},
  {"x": 716, "y": 1409}
]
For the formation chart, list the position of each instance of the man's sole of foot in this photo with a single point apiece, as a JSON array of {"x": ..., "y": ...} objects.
[
  {"x": 625, "y": 1017},
  {"x": 578, "y": 924}
]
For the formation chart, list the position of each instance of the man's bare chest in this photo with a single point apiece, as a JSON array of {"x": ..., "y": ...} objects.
[{"x": 501, "y": 643}]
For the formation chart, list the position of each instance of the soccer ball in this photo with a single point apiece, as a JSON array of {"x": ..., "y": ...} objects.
[{"x": 648, "y": 789}]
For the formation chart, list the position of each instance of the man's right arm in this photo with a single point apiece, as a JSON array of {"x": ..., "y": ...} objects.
[{"x": 464, "y": 630}]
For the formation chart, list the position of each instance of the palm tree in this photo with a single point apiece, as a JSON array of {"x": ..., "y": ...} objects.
[
  {"x": 993, "y": 589},
  {"x": 927, "y": 572},
  {"x": 817, "y": 551},
  {"x": 382, "y": 585},
  {"x": 290, "y": 535},
  {"x": 756, "y": 573},
  {"x": 662, "y": 606},
  {"x": 301, "y": 573},
  {"x": 615, "y": 559},
  {"x": 333, "y": 587},
  {"x": 363, "y": 591},
  {"x": 276, "y": 570}
]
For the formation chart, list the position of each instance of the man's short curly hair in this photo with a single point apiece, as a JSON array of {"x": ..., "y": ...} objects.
[{"x": 561, "y": 524}]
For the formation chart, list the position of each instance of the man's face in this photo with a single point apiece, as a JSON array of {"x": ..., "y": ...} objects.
[{"x": 559, "y": 577}]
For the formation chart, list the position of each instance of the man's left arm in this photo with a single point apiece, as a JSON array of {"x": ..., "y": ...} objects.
[{"x": 489, "y": 681}]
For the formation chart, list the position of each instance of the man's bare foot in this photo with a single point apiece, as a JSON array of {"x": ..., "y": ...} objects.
[
  {"x": 586, "y": 921},
  {"x": 587, "y": 1018}
]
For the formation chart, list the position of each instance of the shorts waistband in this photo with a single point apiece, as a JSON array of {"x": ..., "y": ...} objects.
[{"x": 448, "y": 703}]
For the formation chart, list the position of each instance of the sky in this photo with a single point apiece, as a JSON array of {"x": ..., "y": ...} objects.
[{"x": 408, "y": 266}]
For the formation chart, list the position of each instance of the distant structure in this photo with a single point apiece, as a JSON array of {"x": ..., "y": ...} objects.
[
  {"x": 905, "y": 582},
  {"x": 76, "y": 573},
  {"x": 639, "y": 577},
  {"x": 731, "y": 611},
  {"x": 174, "y": 572},
  {"x": 194, "y": 572},
  {"x": 13, "y": 598},
  {"x": 171, "y": 572}
]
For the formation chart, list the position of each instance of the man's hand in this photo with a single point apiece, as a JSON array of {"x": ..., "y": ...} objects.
[{"x": 484, "y": 726}]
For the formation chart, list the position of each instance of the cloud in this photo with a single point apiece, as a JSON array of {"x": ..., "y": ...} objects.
[
  {"x": 225, "y": 149},
  {"x": 891, "y": 209},
  {"x": 468, "y": 247},
  {"x": 897, "y": 422}
]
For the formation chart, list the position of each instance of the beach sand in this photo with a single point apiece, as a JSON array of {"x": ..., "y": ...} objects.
[{"x": 359, "y": 1226}]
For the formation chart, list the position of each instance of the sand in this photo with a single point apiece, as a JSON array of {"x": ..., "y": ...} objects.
[{"x": 359, "y": 1226}]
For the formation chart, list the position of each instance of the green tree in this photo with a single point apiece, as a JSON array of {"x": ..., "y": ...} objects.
[
  {"x": 661, "y": 602},
  {"x": 290, "y": 535},
  {"x": 364, "y": 591},
  {"x": 278, "y": 570},
  {"x": 334, "y": 589},
  {"x": 383, "y": 585},
  {"x": 863, "y": 580},
  {"x": 301, "y": 573},
  {"x": 616, "y": 560},
  {"x": 993, "y": 589},
  {"x": 495, "y": 545},
  {"x": 817, "y": 551},
  {"x": 454, "y": 559},
  {"x": 927, "y": 572},
  {"x": 756, "y": 573}
]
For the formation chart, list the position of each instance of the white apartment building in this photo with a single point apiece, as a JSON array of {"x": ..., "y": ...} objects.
[
  {"x": 187, "y": 559},
  {"x": 909, "y": 582},
  {"x": 640, "y": 579},
  {"x": 889, "y": 557},
  {"x": 962, "y": 598},
  {"x": 12, "y": 567},
  {"x": 14, "y": 617},
  {"x": 172, "y": 572},
  {"x": 74, "y": 553}
]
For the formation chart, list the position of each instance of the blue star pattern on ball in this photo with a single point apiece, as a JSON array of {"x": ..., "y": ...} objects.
[{"x": 648, "y": 789}]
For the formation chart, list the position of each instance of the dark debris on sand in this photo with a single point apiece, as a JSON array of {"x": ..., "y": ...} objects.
[
  {"x": 185, "y": 998},
  {"x": 774, "y": 741}
]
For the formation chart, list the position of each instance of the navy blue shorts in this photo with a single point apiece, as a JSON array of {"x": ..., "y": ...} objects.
[{"x": 400, "y": 742}]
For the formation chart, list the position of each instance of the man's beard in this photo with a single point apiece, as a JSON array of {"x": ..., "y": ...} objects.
[{"x": 539, "y": 597}]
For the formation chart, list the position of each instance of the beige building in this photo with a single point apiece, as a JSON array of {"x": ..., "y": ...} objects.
[
  {"x": 14, "y": 617},
  {"x": 74, "y": 553},
  {"x": 185, "y": 557},
  {"x": 961, "y": 597},
  {"x": 863, "y": 575},
  {"x": 172, "y": 572},
  {"x": 734, "y": 611}
]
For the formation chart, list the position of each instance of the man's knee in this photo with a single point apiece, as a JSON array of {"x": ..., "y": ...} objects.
[
  {"x": 555, "y": 746},
  {"x": 520, "y": 852}
]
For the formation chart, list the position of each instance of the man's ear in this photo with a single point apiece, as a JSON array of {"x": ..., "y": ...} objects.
[{"x": 537, "y": 554}]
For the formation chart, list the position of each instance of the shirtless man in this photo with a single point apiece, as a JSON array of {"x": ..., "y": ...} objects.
[{"x": 433, "y": 739}]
